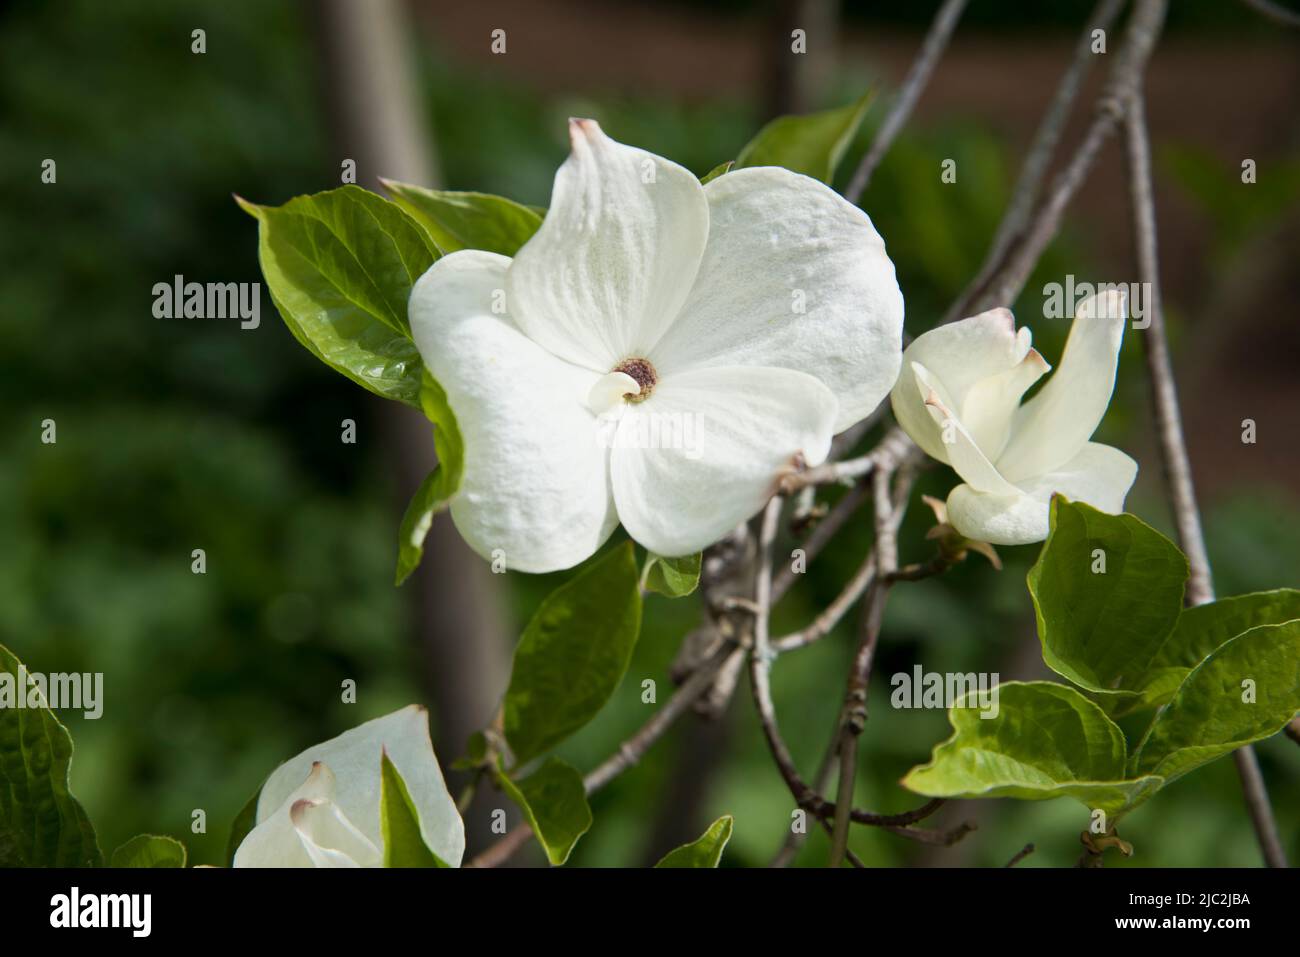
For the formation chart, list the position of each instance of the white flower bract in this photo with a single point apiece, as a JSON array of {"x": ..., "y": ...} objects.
[
  {"x": 763, "y": 306},
  {"x": 958, "y": 397},
  {"x": 321, "y": 808}
]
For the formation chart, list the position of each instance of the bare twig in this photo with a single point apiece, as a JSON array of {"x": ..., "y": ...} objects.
[
  {"x": 830, "y": 616},
  {"x": 1139, "y": 40},
  {"x": 1025, "y": 193},
  {"x": 888, "y": 516},
  {"x": 1173, "y": 447},
  {"x": 1164, "y": 394},
  {"x": 823, "y": 532},
  {"x": 945, "y": 21},
  {"x": 828, "y": 473},
  {"x": 1020, "y": 855},
  {"x": 1275, "y": 12}
]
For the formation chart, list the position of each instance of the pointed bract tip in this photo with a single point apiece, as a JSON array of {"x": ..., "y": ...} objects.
[{"x": 582, "y": 129}]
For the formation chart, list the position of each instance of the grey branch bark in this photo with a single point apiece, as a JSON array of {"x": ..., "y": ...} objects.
[
  {"x": 945, "y": 21},
  {"x": 1130, "y": 62},
  {"x": 1173, "y": 446},
  {"x": 1039, "y": 158}
]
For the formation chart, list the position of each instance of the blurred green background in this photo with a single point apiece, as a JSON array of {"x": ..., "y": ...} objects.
[{"x": 174, "y": 435}]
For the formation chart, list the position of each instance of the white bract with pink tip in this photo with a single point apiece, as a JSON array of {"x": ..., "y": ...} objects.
[
  {"x": 958, "y": 397},
  {"x": 656, "y": 355}
]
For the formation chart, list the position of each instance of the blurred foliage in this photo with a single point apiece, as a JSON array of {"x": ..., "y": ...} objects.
[{"x": 183, "y": 434}]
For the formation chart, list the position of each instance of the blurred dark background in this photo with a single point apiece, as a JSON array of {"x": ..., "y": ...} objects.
[{"x": 183, "y": 434}]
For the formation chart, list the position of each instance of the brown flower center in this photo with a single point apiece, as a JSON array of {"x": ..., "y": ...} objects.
[{"x": 643, "y": 372}]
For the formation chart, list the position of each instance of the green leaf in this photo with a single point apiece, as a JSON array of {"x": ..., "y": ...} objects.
[
  {"x": 812, "y": 144},
  {"x": 573, "y": 654},
  {"x": 1201, "y": 630},
  {"x": 244, "y": 822},
  {"x": 399, "y": 821},
  {"x": 1047, "y": 740},
  {"x": 339, "y": 266},
  {"x": 435, "y": 492},
  {"x": 1103, "y": 629},
  {"x": 41, "y": 823},
  {"x": 150, "y": 850},
  {"x": 467, "y": 220},
  {"x": 706, "y": 851},
  {"x": 674, "y": 577},
  {"x": 554, "y": 801},
  {"x": 717, "y": 171},
  {"x": 1208, "y": 717}
]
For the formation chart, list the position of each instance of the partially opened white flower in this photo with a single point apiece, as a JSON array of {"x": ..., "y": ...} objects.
[
  {"x": 657, "y": 354},
  {"x": 321, "y": 809},
  {"x": 959, "y": 399}
]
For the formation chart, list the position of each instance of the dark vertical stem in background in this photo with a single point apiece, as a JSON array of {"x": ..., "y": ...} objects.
[
  {"x": 457, "y": 604},
  {"x": 792, "y": 81}
]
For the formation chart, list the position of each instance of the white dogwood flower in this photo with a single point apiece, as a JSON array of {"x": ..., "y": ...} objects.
[
  {"x": 657, "y": 354},
  {"x": 959, "y": 399},
  {"x": 321, "y": 809}
]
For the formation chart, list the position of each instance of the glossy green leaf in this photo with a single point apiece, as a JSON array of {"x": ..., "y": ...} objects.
[
  {"x": 573, "y": 654},
  {"x": 717, "y": 171},
  {"x": 1102, "y": 629},
  {"x": 1201, "y": 630},
  {"x": 554, "y": 801},
  {"x": 1047, "y": 740},
  {"x": 339, "y": 266},
  {"x": 244, "y": 822},
  {"x": 150, "y": 850},
  {"x": 1247, "y": 690},
  {"x": 41, "y": 823},
  {"x": 467, "y": 220},
  {"x": 399, "y": 821},
  {"x": 812, "y": 144},
  {"x": 706, "y": 851},
  {"x": 674, "y": 577},
  {"x": 435, "y": 492}
]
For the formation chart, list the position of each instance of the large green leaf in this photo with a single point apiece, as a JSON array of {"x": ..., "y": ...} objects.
[
  {"x": 339, "y": 266},
  {"x": 573, "y": 654},
  {"x": 812, "y": 144},
  {"x": 554, "y": 801},
  {"x": 41, "y": 823},
  {"x": 149, "y": 850},
  {"x": 399, "y": 821},
  {"x": 674, "y": 577},
  {"x": 1203, "y": 629},
  {"x": 705, "y": 851},
  {"x": 467, "y": 220},
  {"x": 1103, "y": 629},
  {"x": 1046, "y": 741},
  {"x": 1211, "y": 713},
  {"x": 438, "y": 487}
]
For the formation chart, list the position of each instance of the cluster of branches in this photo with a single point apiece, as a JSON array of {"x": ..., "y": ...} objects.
[{"x": 739, "y": 581}]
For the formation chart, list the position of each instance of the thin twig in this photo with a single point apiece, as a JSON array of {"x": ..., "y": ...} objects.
[
  {"x": 1173, "y": 446},
  {"x": 887, "y": 519},
  {"x": 822, "y": 532},
  {"x": 830, "y": 616},
  {"x": 1041, "y": 151},
  {"x": 1275, "y": 12},
  {"x": 1020, "y": 855},
  {"x": 945, "y": 21},
  {"x": 1139, "y": 40}
]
